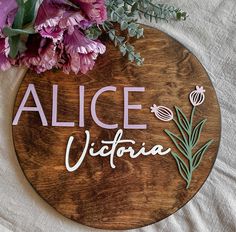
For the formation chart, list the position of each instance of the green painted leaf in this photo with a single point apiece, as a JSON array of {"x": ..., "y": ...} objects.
[
  {"x": 182, "y": 167},
  {"x": 197, "y": 157},
  {"x": 197, "y": 132},
  {"x": 177, "y": 141},
  {"x": 182, "y": 119},
  {"x": 183, "y": 147}
]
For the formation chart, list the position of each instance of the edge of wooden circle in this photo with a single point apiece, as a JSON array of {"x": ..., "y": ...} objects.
[{"x": 147, "y": 224}]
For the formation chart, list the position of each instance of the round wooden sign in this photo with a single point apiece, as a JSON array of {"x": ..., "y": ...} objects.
[{"x": 122, "y": 146}]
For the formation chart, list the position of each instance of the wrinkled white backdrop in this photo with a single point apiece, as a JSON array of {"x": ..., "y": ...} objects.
[{"x": 210, "y": 33}]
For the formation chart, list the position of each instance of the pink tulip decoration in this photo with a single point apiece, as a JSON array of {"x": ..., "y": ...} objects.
[
  {"x": 197, "y": 96},
  {"x": 163, "y": 113}
]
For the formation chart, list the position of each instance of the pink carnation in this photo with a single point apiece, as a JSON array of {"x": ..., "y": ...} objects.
[
  {"x": 60, "y": 41},
  {"x": 8, "y": 12},
  {"x": 56, "y": 16},
  {"x": 4, "y": 51},
  {"x": 41, "y": 54},
  {"x": 80, "y": 52},
  {"x": 94, "y": 9},
  {"x": 48, "y": 18}
]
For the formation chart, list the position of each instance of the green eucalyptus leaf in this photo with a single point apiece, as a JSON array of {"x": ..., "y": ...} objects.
[
  {"x": 131, "y": 57},
  {"x": 134, "y": 7},
  {"x": 124, "y": 25},
  {"x": 112, "y": 34},
  {"x": 93, "y": 32},
  {"x": 122, "y": 49},
  {"x": 120, "y": 10}
]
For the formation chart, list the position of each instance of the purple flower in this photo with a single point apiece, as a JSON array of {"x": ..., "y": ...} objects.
[
  {"x": 48, "y": 18},
  {"x": 80, "y": 52},
  {"x": 163, "y": 113},
  {"x": 56, "y": 16},
  {"x": 197, "y": 96},
  {"x": 8, "y": 12},
  {"x": 77, "y": 63},
  {"x": 4, "y": 51},
  {"x": 54, "y": 33},
  {"x": 72, "y": 19},
  {"x": 41, "y": 54},
  {"x": 94, "y": 9}
]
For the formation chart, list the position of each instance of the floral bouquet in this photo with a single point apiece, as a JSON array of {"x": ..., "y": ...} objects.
[{"x": 64, "y": 34}]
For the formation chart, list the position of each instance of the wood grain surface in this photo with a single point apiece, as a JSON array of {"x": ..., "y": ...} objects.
[{"x": 138, "y": 191}]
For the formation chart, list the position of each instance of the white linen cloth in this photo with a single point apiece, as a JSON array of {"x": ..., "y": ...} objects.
[{"x": 210, "y": 33}]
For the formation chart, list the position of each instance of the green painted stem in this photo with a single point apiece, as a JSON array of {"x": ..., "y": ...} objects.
[
  {"x": 189, "y": 182},
  {"x": 191, "y": 119},
  {"x": 190, "y": 147}
]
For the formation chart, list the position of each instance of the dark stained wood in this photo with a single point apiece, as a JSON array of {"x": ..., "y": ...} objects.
[{"x": 139, "y": 191}]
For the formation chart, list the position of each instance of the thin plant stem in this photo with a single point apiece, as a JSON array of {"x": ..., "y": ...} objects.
[{"x": 190, "y": 147}]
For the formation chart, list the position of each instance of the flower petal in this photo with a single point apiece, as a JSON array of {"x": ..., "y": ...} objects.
[
  {"x": 74, "y": 18},
  {"x": 8, "y": 12},
  {"x": 54, "y": 33},
  {"x": 94, "y": 9},
  {"x": 78, "y": 42},
  {"x": 4, "y": 51},
  {"x": 49, "y": 14},
  {"x": 41, "y": 54}
]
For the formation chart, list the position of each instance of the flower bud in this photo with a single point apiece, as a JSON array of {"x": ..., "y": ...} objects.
[
  {"x": 197, "y": 96},
  {"x": 163, "y": 113}
]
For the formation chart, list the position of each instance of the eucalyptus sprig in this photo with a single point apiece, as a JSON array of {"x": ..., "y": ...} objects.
[
  {"x": 55, "y": 22},
  {"x": 125, "y": 14},
  {"x": 157, "y": 12}
]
